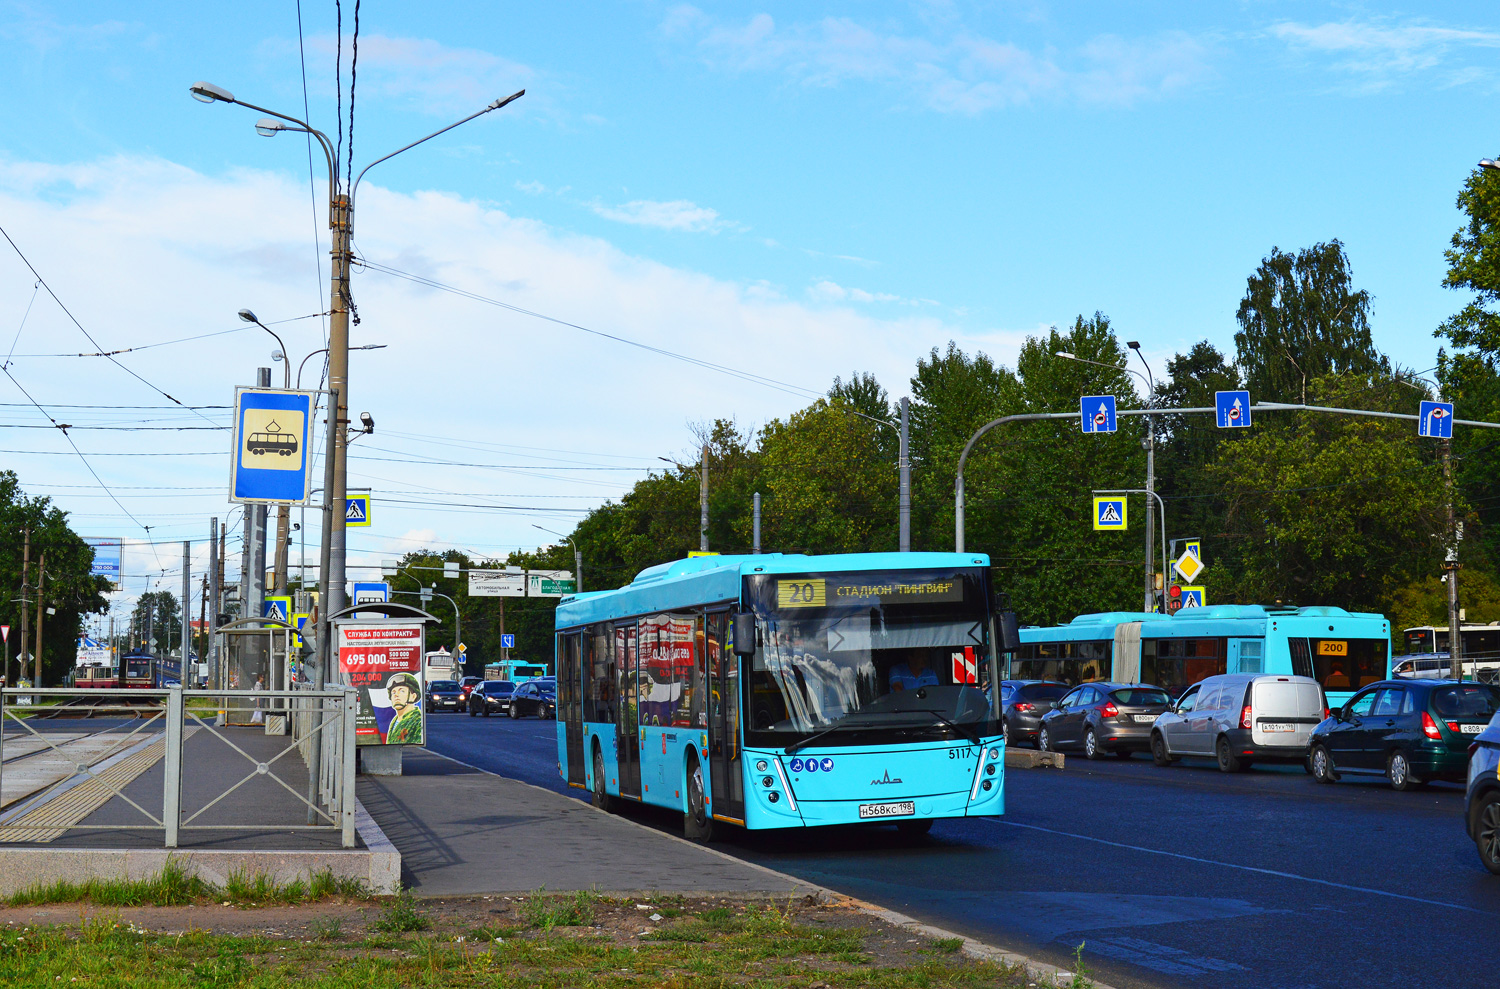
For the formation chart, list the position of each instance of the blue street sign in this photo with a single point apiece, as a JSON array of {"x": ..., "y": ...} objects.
[
  {"x": 370, "y": 592},
  {"x": 279, "y": 608},
  {"x": 357, "y": 510},
  {"x": 1097, "y": 413},
  {"x": 270, "y": 456},
  {"x": 1233, "y": 408},
  {"x": 1436, "y": 420},
  {"x": 507, "y": 641},
  {"x": 1192, "y": 597}
]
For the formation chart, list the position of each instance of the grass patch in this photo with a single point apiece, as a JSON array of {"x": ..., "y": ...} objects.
[
  {"x": 174, "y": 887},
  {"x": 544, "y": 913},
  {"x": 401, "y": 917},
  {"x": 947, "y": 945}
]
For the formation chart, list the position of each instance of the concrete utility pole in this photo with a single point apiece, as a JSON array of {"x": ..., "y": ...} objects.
[
  {"x": 25, "y": 603},
  {"x": 703, "y": 505},
  {"x": 1451, "y": 567},
  {"x": 187, "y": 608},
  {"x": 258, "y": 537},
  {"x": 755, "y": 530},
  {"x": 904, "y": 462},
  {"x": 215, "y": 578},
  {"x": 41, "y": 585}
]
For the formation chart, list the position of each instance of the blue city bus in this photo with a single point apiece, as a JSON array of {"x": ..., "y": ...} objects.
[
  {"x": 1342, "y": 650},
  {"x": 856, "y": 691}
]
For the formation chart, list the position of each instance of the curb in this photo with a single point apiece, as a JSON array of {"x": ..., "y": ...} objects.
[{"x": 1042, "y": 972}]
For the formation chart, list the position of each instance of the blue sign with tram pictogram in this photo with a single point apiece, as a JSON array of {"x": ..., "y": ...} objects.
[
  {"x": 1097, "y": 413},
  {"x": 270, "y": 457},
  {"x": 1232, "y": 409},
  {"x": 1435, "y": 419}
]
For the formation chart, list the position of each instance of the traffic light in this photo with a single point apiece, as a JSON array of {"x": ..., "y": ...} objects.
[{"x": 1174, "y": 599}]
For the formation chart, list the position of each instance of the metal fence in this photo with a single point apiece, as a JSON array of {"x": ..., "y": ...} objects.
[{"x": 59, "y": 777}]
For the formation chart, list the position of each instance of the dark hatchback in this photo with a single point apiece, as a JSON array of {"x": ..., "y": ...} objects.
[
  {"x": 490, "y": 695},
  {"x": 1104, "y": 717},
  {"x": 538, "y": 697},
  {"x": 444, "y": 695},
  {"x": 1023, "y": 704},
  {"x": 1482, "y": 799},
  {"x": 1410, "y": 731}
]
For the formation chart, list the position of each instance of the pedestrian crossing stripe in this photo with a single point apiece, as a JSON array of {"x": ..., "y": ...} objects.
[
  {"x": 1109, "y": 512},
  {"x": 357, "y": 510}
]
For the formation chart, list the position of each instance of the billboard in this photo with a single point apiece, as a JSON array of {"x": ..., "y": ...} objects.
[
  {"x": 106, "y": 558},
  {"x": 383, "y": 661}
]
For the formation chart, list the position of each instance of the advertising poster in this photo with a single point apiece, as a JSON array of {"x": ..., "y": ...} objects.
[{"x": 384, "y": 663}]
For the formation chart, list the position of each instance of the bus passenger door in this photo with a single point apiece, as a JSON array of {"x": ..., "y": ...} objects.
[
  {"x": 726, "y": 774},
  {"x": 628, "y": 747},
  {"x": 570, "y": 704}
]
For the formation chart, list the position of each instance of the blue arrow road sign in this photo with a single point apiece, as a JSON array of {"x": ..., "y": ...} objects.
[
  {"x": 270, "y": 457},
  {"x": 1233, "y": 408},
  {"x": 1098, "y": 413},
  {"x": 1436, "y": 420},
  {"x": 507, "y": 641}
]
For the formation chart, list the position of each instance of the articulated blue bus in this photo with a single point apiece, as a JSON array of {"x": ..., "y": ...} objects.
[
  {"x": 1342, "y": 650},
  {"x": 775, "y": 691}
]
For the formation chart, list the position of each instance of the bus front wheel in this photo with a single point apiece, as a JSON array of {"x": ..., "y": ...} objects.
[
  {"x": 911, "y": 830},
  {"x": 697, "y": 823}
]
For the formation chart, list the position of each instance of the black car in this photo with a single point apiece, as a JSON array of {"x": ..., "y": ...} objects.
[
  {"x": 444, "y": 695},
  {"x": 490, "y": 695},
  {"x": 1023, "y": 704},
  {"x": 538, "y": 697},
  {"x": 1409, "y": 731},
  {"x": 1103, "y": 717},
  {"x": 1482, "y": 798}
]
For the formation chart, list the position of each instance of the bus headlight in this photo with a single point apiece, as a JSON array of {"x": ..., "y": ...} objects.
[
  {"x": 761, "y": 765},
  {"x": 988, "y": 784},
  {"x": 773, "y": 796},
  {"x": 994, "y": 753}
]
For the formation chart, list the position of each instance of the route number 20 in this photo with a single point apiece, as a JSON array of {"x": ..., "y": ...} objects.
[{"x": 805, "y": 593}]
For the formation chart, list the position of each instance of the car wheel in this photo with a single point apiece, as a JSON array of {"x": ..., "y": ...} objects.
[
  {"x": 472, "y": 712},
  {"x": 601, "y": 798},
  {"x": 1321, "y": 764},
  {"x": 1091, "y": 747},
  {"x": 1044, "y": 740},
  {"x": 486, "y": 711},
  {"x": 513, "y": 712},
  {"x": 1228, "y": 761},
  {"x": 1159, "y": 753},
  {"x": 1487, "y": 832},
  {"x": 1398, "y": 771},
  {"x": 697, "y": 823},
  {"x": 543, "y": 711}
]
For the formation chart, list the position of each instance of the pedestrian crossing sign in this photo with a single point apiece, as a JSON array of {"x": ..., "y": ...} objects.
[
  {"x": 277, "y": 607},
  {"x": 357, "y": 510},
  {"x": 1192, "y": 597},
  {"x": 1109, "y": 512}
]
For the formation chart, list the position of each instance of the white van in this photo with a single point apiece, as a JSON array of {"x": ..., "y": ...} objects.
[{"x": 1239, "y": 719}]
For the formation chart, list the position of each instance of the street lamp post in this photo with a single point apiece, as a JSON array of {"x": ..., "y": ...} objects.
[
  {"x": 1150, "y": 585},
  {"x": 577, "y": 556},
  {"x": 341, "y": 222}
]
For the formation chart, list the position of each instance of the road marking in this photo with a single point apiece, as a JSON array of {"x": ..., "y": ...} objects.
[{"x": 1245, "y": 868}]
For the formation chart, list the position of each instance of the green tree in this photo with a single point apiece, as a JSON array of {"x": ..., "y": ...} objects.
[
  {"x": 69, "y": 588},
  {"x": 157, "y": 615},
  {"x": 1301, "y": 319}
]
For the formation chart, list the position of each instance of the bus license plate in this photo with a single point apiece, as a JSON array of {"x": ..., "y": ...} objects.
[
  {"x": 1470, "y": 729},
  {"x": 899, "y": 808},
  {"x": 1277, "y": 726}
]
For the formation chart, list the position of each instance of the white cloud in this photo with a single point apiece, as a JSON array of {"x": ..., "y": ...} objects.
[
  {"x": 533, "y": 187},
  {"x": 678, "y": 214},
  {"x": 1376, "y": 51},
  {"x": 953, "y": 70},
  {"x": 828, "y": 291},
  {"x": 123, "y": 243}
]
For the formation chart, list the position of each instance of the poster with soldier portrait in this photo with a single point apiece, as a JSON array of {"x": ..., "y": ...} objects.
[{"x": 383, "y": 661}]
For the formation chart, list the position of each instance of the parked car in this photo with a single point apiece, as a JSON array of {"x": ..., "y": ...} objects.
[
  {"x": 1103, "y": 717},
  {"x": 443, "y": 695},
  {"x": 1482, "y": 798},
  {"x": 466, "y": 685},
  {"x": 1022, "y": 706},
  {"x": 490, "y": 695},
  {"x": 1439, "y": 666},
  {"x": 1412, "y": 731},
  {"x": 1239, "y": 719},
  {"x": 538, "y": 697}
]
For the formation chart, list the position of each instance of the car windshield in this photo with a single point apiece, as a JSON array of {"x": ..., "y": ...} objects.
[
  {"x": 1044, "y": 691},
  {"x": 499, "y": 687},
  {"x": 904, "y": 652},
  {"x": 1469, "y": 700},
  {"x": 1140, "y": 696},
  {"x": 444, "y": 685}
]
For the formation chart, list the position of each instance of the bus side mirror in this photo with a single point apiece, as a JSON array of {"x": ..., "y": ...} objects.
[
  {"x": 744, "y": 633},
  {"x": 1010, "y": 632}
]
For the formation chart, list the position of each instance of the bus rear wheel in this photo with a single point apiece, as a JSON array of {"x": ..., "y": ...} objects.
[
  {"x": 697, "y": 823},
  {"x": 601, "y": 797}
]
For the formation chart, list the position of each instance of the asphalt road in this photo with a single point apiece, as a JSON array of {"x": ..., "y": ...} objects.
[{"x": 1167, "y": 877}]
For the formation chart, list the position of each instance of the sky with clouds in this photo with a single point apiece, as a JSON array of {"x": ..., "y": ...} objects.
[{"x": 790, "y": 191}]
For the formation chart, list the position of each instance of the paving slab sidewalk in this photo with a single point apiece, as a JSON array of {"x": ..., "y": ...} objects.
[{"x": 460, "y": 830}]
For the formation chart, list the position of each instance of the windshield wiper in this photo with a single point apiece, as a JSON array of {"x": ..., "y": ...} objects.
[
  {"x": 968, "y": 733},
  {"x": 805, "y": 742}
]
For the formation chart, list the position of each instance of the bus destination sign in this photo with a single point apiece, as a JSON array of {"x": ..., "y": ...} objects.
[{"x": 820, "y": 592}]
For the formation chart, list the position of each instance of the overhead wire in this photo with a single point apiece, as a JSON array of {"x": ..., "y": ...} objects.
[{"x": 35, "y": 287}]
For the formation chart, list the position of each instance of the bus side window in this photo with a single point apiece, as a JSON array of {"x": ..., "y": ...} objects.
[{"x": 1252, "y": 655}]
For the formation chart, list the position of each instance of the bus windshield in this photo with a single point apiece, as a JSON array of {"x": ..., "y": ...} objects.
[{"x": 876, "y": 657}]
